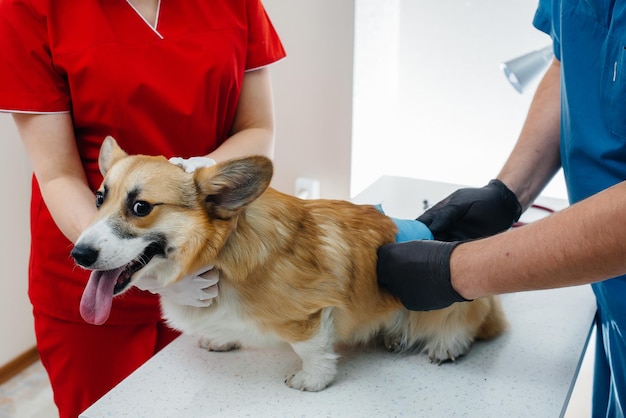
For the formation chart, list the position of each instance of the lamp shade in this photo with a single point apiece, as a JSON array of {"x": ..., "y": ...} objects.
[{"x": 522, "y": 70}]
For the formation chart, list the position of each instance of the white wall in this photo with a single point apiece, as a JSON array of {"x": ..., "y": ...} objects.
[
  {"x": 16, "y": 325},
  {"x": 313, "y": 93},
  {"x": 456, "y": 118}
]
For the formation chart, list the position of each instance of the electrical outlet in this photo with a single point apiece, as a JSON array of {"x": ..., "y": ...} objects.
[{"x": 307, "y": 188}]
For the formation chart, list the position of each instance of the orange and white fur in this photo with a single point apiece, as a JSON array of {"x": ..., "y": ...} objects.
[{"x": 296, "y": 271}]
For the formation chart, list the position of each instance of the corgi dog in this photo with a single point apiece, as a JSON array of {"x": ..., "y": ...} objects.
[{"x": 301, "y": 272}]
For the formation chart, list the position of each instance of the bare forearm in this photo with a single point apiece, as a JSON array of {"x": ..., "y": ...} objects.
[
  {"x": 253, "y": 127},
  {"x": 71, "y": 204},
  {"x": 581, "y": 244},
  {"x": 536, "y": 158},
  {"x": 51, "y": 146},
  {"x": 251, "y": 141}
]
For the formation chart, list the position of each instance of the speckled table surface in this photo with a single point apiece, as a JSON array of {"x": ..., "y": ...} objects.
[{"x": 528, "y": 371}]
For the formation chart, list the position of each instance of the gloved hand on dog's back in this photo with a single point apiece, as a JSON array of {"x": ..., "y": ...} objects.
[
  {"x": 418, "y": 273},
  {"x": 473, "y": 213},
  {"x": 198, "y": 289}
]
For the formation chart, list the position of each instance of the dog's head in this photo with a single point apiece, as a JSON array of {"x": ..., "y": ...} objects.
[{"x": 156, "y": 220}]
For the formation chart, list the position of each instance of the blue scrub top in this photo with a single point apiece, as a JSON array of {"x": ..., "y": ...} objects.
[{"x": 590, "y": 41}]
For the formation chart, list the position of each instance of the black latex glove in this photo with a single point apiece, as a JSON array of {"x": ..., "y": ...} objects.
[
  {"x": 418, "y": 273},
  {"x": 473, "y": 213}
]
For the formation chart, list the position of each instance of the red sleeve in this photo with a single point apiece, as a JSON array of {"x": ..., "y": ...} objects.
[
  {"x": 264, "y": 46},
  {"x": 29, "y": 81}
]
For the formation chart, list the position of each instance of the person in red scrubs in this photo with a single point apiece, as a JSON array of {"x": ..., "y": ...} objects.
[{"x": 164, "y": 77}]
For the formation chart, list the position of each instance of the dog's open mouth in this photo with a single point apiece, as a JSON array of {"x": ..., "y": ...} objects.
[
  {"x": 95, "y": 305},
  {"x": 134, "y": 266}
]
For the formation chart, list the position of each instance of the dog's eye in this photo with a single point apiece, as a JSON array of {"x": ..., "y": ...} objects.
[
  {"x": 142, "y": 208},
  {"x": 99, "y": 199}
]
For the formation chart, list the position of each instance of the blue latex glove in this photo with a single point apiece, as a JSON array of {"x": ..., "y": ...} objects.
[{"x": 409, "y": 229}]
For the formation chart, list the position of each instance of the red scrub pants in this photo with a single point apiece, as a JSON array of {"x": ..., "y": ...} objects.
[{"x": 85, "y": 361}]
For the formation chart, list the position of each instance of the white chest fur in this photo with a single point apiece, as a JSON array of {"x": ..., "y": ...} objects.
[{"x": 222, "y": 326}]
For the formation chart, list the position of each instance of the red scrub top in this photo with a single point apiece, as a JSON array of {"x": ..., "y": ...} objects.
[{"x": 171, "y": 90}]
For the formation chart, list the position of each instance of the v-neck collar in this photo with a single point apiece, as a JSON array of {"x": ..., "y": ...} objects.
[{"x": 156, "y": 19}]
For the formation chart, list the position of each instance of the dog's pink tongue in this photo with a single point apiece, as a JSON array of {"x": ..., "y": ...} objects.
[{"x": 95, "y": 305}]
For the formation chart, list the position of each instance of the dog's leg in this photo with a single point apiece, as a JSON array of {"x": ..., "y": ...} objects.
[
  {"x": 445, "y": 335},
  {"x": 481, "y": 319},
  {"x": 319, "y": 360}
]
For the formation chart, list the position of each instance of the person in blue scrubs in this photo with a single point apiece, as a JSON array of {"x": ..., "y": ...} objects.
[{"x": 577, "y": 121}]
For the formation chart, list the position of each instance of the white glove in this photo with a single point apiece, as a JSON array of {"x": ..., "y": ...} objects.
[
  {"x": 198, "y": 289},
  {"x": 191, "y": 164}
]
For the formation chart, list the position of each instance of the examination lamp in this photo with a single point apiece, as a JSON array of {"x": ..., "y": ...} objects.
[{"x": 522, "y": 70}]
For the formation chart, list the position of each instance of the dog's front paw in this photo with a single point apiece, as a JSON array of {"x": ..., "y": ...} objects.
[
  {"x": 306, "y": 381},
  {"x": 212, "y": 345}
]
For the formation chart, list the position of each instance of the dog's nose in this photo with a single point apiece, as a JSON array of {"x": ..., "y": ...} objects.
[{"x": 84, "y": 255}]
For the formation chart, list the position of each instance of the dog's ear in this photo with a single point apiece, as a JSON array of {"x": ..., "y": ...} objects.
[
  {"x": 229, "y": 186},
  {"x": 110, "y": 153}
]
